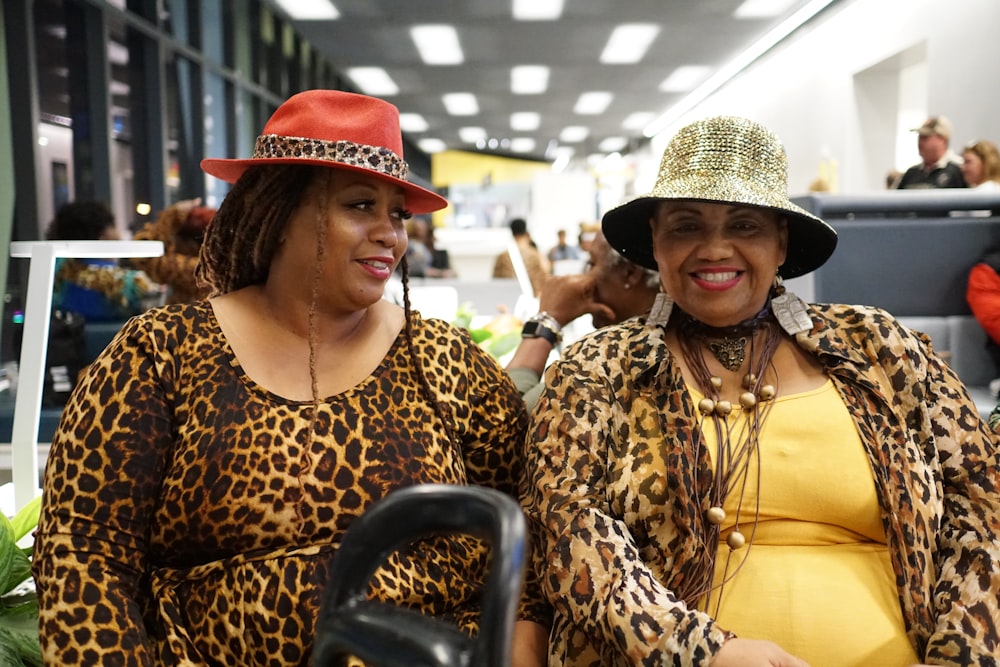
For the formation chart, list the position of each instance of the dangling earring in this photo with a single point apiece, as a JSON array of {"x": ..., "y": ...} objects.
[
  {"x": 659, "y": 314},
  {"x": 789, "y": 309}
]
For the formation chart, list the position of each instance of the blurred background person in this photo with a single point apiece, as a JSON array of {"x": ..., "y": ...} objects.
[
  {"x": 535, "y": 263},
  {"x": 612, "y": 289},
  {"x": 181, "y": 227},
  {"x": 981, "y": 165},
  {"x": 939, "y": 167},
  {"x": 423, "y": 257},
  {"x": 99, "y": 289}
]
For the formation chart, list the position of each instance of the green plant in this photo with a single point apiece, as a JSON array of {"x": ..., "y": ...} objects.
[{"x": 18, "y": 603}]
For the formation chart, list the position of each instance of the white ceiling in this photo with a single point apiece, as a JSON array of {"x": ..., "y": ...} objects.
[{"x": 375, "y": 33}]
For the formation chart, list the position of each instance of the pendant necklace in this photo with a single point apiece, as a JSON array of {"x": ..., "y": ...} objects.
[{"x": 735, "y": 446}]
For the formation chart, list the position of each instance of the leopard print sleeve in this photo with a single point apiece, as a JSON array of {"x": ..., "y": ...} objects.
[
  {"x": 967, "y": 558},
  {"x": 101, "y": 484},
  {"x": 593, "y": 498}
]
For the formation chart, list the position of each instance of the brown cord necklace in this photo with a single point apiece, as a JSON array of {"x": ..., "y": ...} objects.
[{"x": 736, "y": 447}]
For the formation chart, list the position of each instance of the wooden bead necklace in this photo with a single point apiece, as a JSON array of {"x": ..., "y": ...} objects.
[{"x": 734, "y": 451}]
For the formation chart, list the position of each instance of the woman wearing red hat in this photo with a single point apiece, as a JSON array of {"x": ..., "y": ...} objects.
[
  {"x": 742, "y": 478},
  {"x": 203, "y": 475}
]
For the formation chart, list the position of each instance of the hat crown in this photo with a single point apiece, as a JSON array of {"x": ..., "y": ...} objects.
[
  {"x": 336, "y": 115},
  {"x": 724, "y": 148}
]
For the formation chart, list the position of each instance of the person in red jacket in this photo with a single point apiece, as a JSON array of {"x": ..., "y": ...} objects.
[{"x": 983, "y": 295}]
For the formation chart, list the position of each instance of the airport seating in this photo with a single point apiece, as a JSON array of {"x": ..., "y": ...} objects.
[{"x": 910, "y": 252}]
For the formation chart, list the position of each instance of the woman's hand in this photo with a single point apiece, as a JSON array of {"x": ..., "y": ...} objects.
[
  {"x": 754, "y": 653},
  {"x": 530, "y": 646}
]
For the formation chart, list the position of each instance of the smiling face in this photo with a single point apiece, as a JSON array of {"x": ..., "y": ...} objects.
[
  {"x": 717, "y": 261},
  {"x": 364, "y": 220}
]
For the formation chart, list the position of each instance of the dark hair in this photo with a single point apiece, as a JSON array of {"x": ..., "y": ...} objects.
[
  {"x": 240, "y": 242},
  {"x": 518, "y": 227},
  {"x": 80, "y": 221}
]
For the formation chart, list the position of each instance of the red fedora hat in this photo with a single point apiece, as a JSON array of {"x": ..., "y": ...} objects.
[{"x": 334, "y": 128}]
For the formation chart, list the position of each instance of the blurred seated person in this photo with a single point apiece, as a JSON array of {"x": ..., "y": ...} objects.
[
  {"x": 424, "y": 259},
  {"x": 181, "y": 227},
  {"x": 534, "y": 262},
  {"x": 981, "y": 165},
  {"x": 939, "y": 167},
  {"x": 97, "y": 288},
  {"x": 562, "y": 250},
  {"x": 612, "y": 289},
  {"x": 983, "y": 294}
]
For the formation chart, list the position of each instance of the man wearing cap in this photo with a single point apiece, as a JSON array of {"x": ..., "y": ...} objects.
[{"x": 940, "y": 167}]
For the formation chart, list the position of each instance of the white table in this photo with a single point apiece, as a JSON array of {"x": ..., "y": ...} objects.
[{"x": 31, "y": 371}]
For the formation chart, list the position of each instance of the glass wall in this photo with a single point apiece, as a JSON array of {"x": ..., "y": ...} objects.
[{"x": 119, "y": 100}]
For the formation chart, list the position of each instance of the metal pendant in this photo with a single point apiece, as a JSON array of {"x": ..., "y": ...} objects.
[{"x": 730, "y": 352}]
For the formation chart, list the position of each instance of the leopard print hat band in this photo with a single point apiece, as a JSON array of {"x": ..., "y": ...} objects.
[{"x": 338, "y": 129}]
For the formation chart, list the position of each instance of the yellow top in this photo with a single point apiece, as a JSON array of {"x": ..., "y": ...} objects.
[{"x": 817, "y": 579}]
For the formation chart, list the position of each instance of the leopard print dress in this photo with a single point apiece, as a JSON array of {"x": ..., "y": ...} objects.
[{"x": 188, "y": 519}]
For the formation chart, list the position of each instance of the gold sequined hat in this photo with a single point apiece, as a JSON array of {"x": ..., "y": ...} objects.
[
  {"x": 724, "y": 160},
  {"x": 334, "y": 128}
]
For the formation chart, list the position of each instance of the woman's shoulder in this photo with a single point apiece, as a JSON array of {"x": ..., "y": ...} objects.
[{"x": 175, "y": 321}]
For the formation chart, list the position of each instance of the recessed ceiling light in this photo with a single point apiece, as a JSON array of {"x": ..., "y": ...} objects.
[
  {"x": 309, "y": 10},
  {"x": 537, "y": 10},
  {"x": 373, "y": 80},
  {"x": 638, "y": 120},
  {"x": 529, "y": 79},
  {"x": 612, "y": 144},
  {"x": 522, "y": 144},
  {"x": 437, "y": 44},
  {"x": 432, "y": 145},
  {"x": 525, "y": 121},
  {"x": 628, "y": 43},
  {"x": 574, "y": 133},
  {"x": 471, "y": 135},
  {"x": 593, "y": 103},
  {"x": 685, "y": 78},
  {"x": 460, "y": 104},
  {"x": 412, "y": 122},
  {"x": 762, "y": 9}
]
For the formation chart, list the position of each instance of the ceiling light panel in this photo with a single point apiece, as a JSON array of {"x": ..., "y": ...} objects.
[
  {"x": 612, "y": 144},
  {"x": 593, "y": 103},
  {"x": 309, "y": 10},
  {"x": 412, "y": 122},
  {"x": 373, "y": 80},
  {"x": 573, "y": 134},
  {"x": 536, "y": 10},
  {"x": 471, "y": 135},
  {"x": 628, "y": 43},
  {"x": 529, "y": 79},
  {"x": 461, "y": 104},
  {"x": 437, "y": 44},
  {"x": 525, "y": 121},
  {"x": 432, "y": 145},
  {"x": 762, "y": 9},
  {"x": 685, "y": 78},
  {"x": 522, "y": 144},
  {"x": 638, "y": 120}
]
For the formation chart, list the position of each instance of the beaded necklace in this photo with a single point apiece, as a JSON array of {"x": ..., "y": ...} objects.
[{"x": 735, "y": 450}]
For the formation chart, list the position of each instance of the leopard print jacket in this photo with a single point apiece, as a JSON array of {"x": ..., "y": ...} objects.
[
  {"x": 616, "y": 536},
  {"x": 188, "y": 518}
]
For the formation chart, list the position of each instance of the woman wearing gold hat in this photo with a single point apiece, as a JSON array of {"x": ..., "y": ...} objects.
[
  {"x": 741, "y": 478},
  {"x": 202, "y": 477}
]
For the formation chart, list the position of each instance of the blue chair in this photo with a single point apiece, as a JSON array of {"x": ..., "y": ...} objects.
[{"x": 387, "y": 635}]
